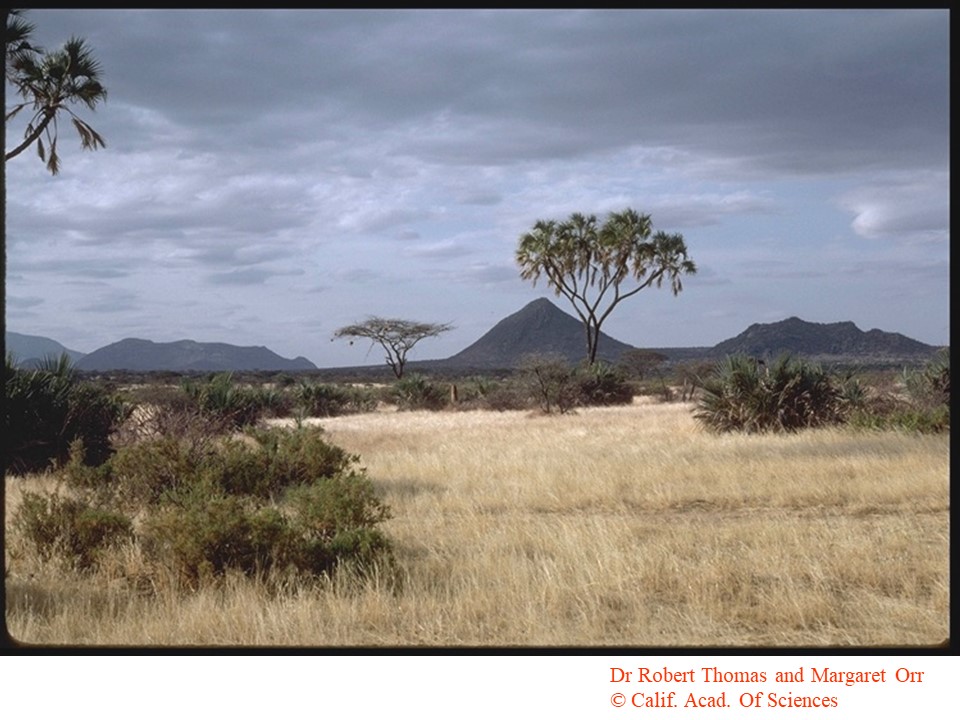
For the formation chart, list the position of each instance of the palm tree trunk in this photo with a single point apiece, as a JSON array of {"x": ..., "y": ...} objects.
[
  {"x": 31, "y": 138},
  {"x": 593, "y": 342}
]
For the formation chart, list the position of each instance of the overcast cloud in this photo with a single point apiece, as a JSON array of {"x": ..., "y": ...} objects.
[{"x": 270, "y": 176}]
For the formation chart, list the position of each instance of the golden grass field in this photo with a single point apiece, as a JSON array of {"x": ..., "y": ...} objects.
[{"x": 628, "y": 526}]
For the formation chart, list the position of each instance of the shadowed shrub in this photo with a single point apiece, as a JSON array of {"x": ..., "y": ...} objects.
[
  {"x": 744, "y": 394},
  {"x": 602, "y": 384},
  {"x": 49, "y": 407}
]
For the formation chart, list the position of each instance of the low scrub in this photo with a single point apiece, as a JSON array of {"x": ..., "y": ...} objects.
[
  {"x": 746, "y": 394},
  {"x": 919, "y": 403},
  {"x": 554, "y": 386},
  {"x": 328, "y": 400},
  {"x": 603, "y": 385},
  {"x": 275, "y": 501},
  {"x": 68, "y": 529},
  {"x": 416, "y": 392},
  {"x": 550, "y": 383},
  {"x": 222, "y": 398}
]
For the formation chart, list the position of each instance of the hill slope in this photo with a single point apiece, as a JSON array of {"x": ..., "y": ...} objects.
[
  {"x": 540, "y": 327},
  {"x": 185, "y": 356},
  {"x": 840, "y": 339},
  {"x": 30, "y": 349}
]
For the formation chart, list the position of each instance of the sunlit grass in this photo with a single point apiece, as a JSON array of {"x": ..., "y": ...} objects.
[{"x": 625, "y": 526}]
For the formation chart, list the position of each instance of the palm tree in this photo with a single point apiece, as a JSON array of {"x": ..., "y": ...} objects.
[
  {"x": 597, "y": 266},
  {"x": 17, "y": 41},
  {"x": 50, "y": 82}
]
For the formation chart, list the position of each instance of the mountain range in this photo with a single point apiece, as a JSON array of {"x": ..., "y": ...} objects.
[
  {"x": 540, "y": 327},
  {"x": 146, "y": 356},
  {"x": 30, "y": 349},
  {"x": 840, "y": 339}
]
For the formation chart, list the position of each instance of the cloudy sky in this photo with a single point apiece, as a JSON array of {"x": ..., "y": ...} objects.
[{"x": 270, "y": 176}]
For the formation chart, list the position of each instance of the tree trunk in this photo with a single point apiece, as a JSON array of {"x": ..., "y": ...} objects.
[{"x": 31, "y": 138}]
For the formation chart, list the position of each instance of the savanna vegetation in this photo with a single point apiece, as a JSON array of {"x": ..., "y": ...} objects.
[{"x": 741, "y": 503}]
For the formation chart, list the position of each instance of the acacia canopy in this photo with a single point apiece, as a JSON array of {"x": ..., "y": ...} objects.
[
  {"x": 394, "y": 335},
  {"x": 596, "y": 266}
]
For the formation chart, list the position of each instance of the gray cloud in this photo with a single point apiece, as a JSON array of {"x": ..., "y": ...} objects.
[
  {"x": 247, "y": 276},
  {"x": 24, "y": 302},
  {"x": 832, "y": 88},
  {"x": 391, "y": 159}
]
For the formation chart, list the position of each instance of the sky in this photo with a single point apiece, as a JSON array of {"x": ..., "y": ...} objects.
[{"x": 271, "y": 176}]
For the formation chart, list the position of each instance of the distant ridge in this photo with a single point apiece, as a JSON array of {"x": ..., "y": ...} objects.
[
  {"x": 537, "y": 328},
  {"x": 839, "y": 339},
  {"x": 540, "y": 327},
  {"x": 32, "y": 349},
  {"x": 185, "y": 356}
]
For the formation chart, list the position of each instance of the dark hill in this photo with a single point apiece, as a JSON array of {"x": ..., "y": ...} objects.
[
  {"x": 538, "y": 328},
  {"x": 840, "y": 339},
  {"x": 32, "y": 349},
  {"x": 186, "y": 356}
]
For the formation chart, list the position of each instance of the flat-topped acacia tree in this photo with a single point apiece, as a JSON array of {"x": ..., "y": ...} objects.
[
  {"x": 394, "y": 335},
  {"x": 597, "y": 266}
]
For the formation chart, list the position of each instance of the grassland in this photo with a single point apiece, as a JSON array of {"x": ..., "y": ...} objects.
[{"x": 628, "y": 526}]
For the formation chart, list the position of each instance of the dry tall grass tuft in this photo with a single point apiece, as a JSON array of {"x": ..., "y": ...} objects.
[{"x": 625, "y": 526}]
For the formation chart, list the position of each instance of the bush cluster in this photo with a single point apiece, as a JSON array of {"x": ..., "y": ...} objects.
[
  {"x": 550, "y": 384},
  {"x": 277, "y": 501},
  {"x": 416, "y": 392},
  {"x": 920, "y": 403},
  {"x": 69, "y": 529},
  {"x": 329, "y": 400},
  {"x": 238, "y": 406},
  {"x": 746, "y": 394}
]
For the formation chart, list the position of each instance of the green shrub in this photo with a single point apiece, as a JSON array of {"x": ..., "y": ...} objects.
[
  {"x": 281, "y": 459},
  {"x": 49, "y": 407},
  {"x": 415, "y": 392},
  {"x": 262, "y": 465},
  {"x": 69, "y": 528},
  {"x": 929, "y": 387},
  {"x": 337, "y": 519},
  {"x": 220, "y": 397},
  {"x": 924, "y": 407},
  {"x": 550, "y": 382},
  {"x": 274, "y": 500},
  {"x": 903, "y": 417},
  {"x": 326, "y": 400},
  {"x": 209, "y": 533},
  {"x": 744, "y": 394},
  {"x": 273, "y": 402},
  {"x": 328, "y": 522},
  {"x": 508, "y": 395},
  {"x": 603, "y": 384},
  {"x": 149, "y": 472}
]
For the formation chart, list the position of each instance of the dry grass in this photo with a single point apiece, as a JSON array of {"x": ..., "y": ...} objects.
[{"x": 612, "y": 527}]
